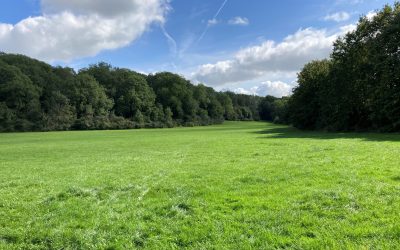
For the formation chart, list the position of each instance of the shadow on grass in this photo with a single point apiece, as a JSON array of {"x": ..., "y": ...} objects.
[{"x": 291, "y": 132}]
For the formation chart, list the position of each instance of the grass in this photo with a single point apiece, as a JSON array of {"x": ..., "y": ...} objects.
[{"x": 241, "y": 185}]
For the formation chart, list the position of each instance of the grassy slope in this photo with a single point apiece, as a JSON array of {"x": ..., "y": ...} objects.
[{"x": 238, "y": 185}]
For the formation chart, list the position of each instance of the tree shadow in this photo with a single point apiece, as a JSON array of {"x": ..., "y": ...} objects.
[{"x": 287, "y": 132}]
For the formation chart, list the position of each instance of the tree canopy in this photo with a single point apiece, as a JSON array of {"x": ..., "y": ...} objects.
[
  {"x": 358, "y": 88},
  {"x": 35, "y": 96}
]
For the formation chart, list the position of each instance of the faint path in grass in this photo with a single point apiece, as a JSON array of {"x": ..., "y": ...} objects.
[{"x": 150, "y": 182}]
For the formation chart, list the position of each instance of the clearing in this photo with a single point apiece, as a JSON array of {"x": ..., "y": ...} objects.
[{"x": 239, "y": 185}]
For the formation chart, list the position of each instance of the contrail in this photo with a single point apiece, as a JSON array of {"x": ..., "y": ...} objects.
[
  {"x": 171, "y": 41},
  {"x": 215, "y": 17},
  {"x": 220, "y": 9}
]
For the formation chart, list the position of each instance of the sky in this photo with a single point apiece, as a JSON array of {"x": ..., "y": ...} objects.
[{"x": 247, "y": 46}]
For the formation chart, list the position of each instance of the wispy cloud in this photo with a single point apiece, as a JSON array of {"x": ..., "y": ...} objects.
[
  {"x": 338, "y": 17},
  {"x": 347, "y": 2},
  {"x": 239, "y": 21}
]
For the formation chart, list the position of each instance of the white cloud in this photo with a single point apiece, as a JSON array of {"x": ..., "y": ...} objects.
[
  {"x": 212, "y": 22},
  {"x": 274, "y": 64},
  {"x": 270, "y": 59},
  {"x": 242, "y": 91},
  {"x": 338, "y": 17},
  {"x": 239, "y": 21},
  {"x": 370, "y": 15},
  {"x": 275, "y": 88},
  {"x": 347, "y": 2},
  {"x": 71, "y": 29},
  {"x": 101, "y": 7},
  {"x": 347, "y": 28}
]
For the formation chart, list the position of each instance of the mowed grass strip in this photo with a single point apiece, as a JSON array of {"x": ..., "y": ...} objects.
[{"x": 240, "y": 185}]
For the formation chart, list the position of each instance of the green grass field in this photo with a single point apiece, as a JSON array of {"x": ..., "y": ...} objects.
[{"x": 241, "y": 185}]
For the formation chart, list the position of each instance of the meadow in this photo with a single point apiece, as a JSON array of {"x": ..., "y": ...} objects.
[{"x": 240, "y": 185}]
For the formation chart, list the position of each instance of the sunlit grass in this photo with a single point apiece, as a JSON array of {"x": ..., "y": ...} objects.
[{"x": 240, "y": 185}]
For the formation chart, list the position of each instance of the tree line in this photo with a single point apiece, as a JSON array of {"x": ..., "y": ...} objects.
[
  {"x": 35, "y": 96},
  {"x": 358, "y": 87}
]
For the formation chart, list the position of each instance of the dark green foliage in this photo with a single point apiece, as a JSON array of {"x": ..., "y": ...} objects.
[
  {"x": 246, "y": 107},
  {"x": 60, "y": 114},
  {"x": 90, "y": 101},
  {"x": 227, "y": 105},
  {"x": 175, "y": 92},
  {"x": 128, "y": 89},
  {"x": 168, "y": 120},
  {"x": 281, "y": 113},
  {"x": 19, "y": 100},
  {"x": 304, "y": 105},
  {"x": 274, "y": 109},
  {"x": 35, "y": 96},
  {"x": 266, "y": 107},
  {"x": 359, "y": 87}
]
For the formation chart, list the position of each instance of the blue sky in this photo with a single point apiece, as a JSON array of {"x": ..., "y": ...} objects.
[{"x": 249, "y": 46}]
